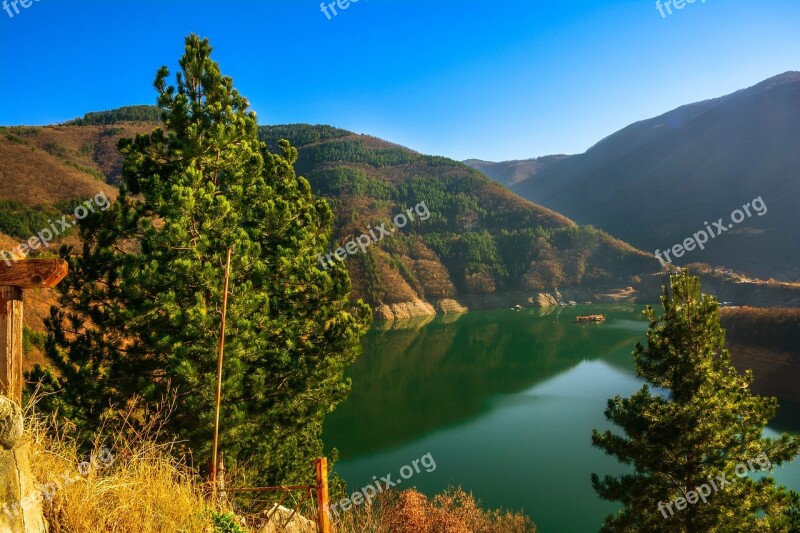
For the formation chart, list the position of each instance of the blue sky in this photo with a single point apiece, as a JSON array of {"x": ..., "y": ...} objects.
[{"x": 492, "y": 79}]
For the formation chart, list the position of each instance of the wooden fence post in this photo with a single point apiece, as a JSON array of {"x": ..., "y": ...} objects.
[
  {"x": 323, "y": 520},
  {"x": 11, "y": 343},
  {"x": 14, "y": 277}
]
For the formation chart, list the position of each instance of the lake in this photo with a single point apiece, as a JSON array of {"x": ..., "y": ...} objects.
[{"x": 505, "y": 402}]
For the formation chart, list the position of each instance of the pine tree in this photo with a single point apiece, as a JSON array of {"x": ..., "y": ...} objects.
[
  {"x": 698, "y": 421},
  {"x": 139, "y": 317}
]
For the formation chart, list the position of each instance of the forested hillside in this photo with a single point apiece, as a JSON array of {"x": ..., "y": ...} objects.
[{"x": 479, "y": 242}]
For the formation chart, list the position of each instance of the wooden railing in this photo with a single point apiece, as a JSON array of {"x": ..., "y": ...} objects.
[{"x": 317, "y": 494}]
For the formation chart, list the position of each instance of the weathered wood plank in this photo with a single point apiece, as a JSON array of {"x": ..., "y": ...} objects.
[
  {"x": 11, "y": 343},
  {"x": 33, "y": 273},
  {"x": 323, "y": 504}
]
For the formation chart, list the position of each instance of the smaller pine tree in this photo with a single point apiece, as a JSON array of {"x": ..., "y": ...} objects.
[{"x": 691, "y": 430}]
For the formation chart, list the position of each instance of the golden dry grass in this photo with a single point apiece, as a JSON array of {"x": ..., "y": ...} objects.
[
  {"x": 33, "y": 176},
  {"x": 131, "y": 486},
  {"x": 39, "y": 162}
]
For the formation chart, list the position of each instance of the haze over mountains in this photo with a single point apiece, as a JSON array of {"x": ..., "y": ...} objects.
[
  {"x": 510, "y": 173},
  {"x": 656, "y": 182}
]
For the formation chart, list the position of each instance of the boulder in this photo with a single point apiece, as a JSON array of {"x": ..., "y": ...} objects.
[
  {"x": 544, "y": 299},
  {"x": 281, "y": 523},
  {"x": 10, "y": 423},
  {"x": 20, "y": 498},
  {"x": 448, "y": 306},
  {"x": 410, "y": 309}
]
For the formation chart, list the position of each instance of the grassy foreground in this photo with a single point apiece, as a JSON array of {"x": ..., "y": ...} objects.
[
  {"x": 126, "y": 485},
  {"x": 131, "y": 484}
]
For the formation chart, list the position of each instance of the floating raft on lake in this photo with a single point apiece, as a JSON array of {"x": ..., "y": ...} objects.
[{"x": 592, "y": 318}]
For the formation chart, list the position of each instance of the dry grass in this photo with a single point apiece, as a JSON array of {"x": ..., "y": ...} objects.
[
  {"x": 132, "y": 485},
  {"x": 454, "y": 511},
  {"x": 44, "y": 165},
  {"x": 33, "y": 176},
  {"x": 129, "y": 484}
]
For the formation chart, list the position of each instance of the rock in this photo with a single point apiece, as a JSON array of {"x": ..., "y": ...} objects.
[
  {"x": 544, "y": 299},
  {"x": 20, "y": 498},
  {"x": 10, "y": 423},
  {"x": 448, "y": 306},
  {"x": 280, "y": 522},
  {"x": 408, "y": 309}
]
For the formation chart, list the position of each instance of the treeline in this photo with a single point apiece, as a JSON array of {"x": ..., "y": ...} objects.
[
  {"x": 326, "y": 144},
  {"x": 131, "y": 113},
  {"x": 299, "y": 135},
  {"x": 355, "y": 151},
  {"x": 775, "y": 328}
]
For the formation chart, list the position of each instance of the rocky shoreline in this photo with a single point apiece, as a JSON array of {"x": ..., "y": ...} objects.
[{"x": 751, "y": 293}]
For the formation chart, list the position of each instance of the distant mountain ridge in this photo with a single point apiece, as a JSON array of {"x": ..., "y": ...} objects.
[
  {"x": 510, "y": 173},
  {"x": 655, "y": 182}
]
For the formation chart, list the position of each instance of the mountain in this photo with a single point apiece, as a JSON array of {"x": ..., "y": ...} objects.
[
  {"x": 657, "y": 182},
  {"x": 511, "y": 173},
  {"x": 481, "y": 246},
  {"x": 472, "y": 242}
]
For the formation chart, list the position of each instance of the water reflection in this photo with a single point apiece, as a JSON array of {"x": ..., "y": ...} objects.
[
  {"x": 417, "y": 376},
  {"x": 505, "y": 401}
]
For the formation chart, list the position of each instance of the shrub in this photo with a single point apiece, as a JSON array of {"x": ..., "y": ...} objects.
[
  {"x": 87, "y": 170},
  {"x": 57, "y": 149},
  {"x": 225, "y": 523},
  {"x": 14, "y": 139},
  {"x": 454, "y": 511}
]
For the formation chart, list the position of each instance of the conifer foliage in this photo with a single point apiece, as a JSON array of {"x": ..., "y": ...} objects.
[
  {"x": 694, "y": 421},
  {"x": 140, "y": 311}
]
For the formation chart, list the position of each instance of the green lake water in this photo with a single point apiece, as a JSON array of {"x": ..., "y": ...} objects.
[{"x": 505, "y": 402}]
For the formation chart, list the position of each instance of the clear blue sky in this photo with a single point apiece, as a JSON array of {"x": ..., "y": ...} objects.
[{"x": 493, "y": 79}]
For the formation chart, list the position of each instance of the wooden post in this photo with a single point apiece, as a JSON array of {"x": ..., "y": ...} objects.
[
  {"x": 14, "y": 277},
  {"x": 323, "y": 505},
  {"x": 219, "y": 375},
  {"x": 11, "y": 343}
]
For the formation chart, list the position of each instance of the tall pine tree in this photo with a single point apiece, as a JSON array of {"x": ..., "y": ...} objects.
[
  {"x": 139, "y": 314},
  {"x": 699, "y": 421}
]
